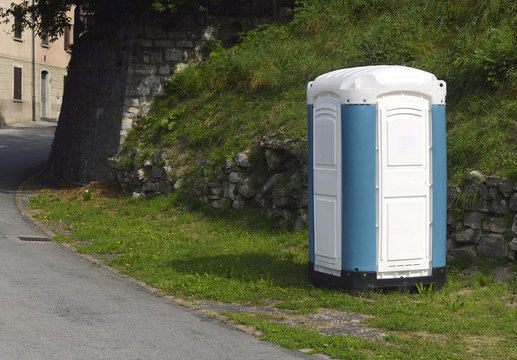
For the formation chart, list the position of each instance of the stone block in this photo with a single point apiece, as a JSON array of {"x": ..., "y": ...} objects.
[
  {"x": 281, "y": 198},
  {"x": 505, "y": 187},
  {"x": 165, "y": 43},
  {"x": 228, "y": 165},
  {"x": 238, "y": 204},
  {"x": 143, "y": 43},
  {"x": 131, "y": 102},
  {"x": 174, "y": 55},
  {"x": 235, "y": 177},
  {"x": 184, "y": 44},
  {"x": 200, "y": 188},
  {"x": 180, "y": 66},
  {"x": 273, "y": 160},
  {"x": 492, "y": 246},
  {"x": 140, "y": 174},
  {"x": 144, "y": 70},
  {"x": 513, "y": 202},
  {"x": 217, "y": 204},
  {"x": 126, "y": 123},
  {"x": 493, "y": 193},
  {"x": 208, "y": 33},
  {"x": 229, "y": 190},
  {"x": 465, "y": 236},
  {"x": 475, "y": 176},
  {"x": 164, "y": 70},
  {"x": 473, "y": 220},
  {"x": 164, "y": 187},
  {"x": 450, "y": 244},
  {"x": 215, "y": 189},
  {"x": 513, "y": 244},
  {"x": 514, "y": 226},
  {"x": 500, "y": 207},
  {"x": 452, "y": 192},
  {"x": 492, "y": 180},
  {"x": 464, "y": 251},
  {"x": 270, "y": 183},
  {"x": 246, "y": 189},
  {"x": 242, "y": 160},
  {"x": 496, "y": 225},
  {"x": 155, "y": 32},
  {"x": 302, "y": 220},
  {"x": 295, "y": 182},
  {"x": 138, "y": 195},
  {"x": 149, "y": 187},
  {"x": 178, "y": 184},
  {"x": 260, "y": 201},
  {"x": 450, "y": 219}
]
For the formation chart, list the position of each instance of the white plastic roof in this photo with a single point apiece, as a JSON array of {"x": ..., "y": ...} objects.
[{"x": 362, "y": 85}]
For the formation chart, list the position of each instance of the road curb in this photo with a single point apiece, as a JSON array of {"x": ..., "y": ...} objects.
[
  {"x": 144, "y": 286},
  {"x": 19, "y": 204},
  {"x": 69, "y": 247},
  {"x": 150, "y": 289}
]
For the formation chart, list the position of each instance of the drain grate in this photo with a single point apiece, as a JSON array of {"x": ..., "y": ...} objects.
[{"x": 34, "y": 239}]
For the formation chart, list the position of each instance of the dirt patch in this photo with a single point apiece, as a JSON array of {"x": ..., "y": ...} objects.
[
  {"x": 324, "y": 321},
  {"x": 333, "y": 322},
  {"x": 503, "y": 273}
]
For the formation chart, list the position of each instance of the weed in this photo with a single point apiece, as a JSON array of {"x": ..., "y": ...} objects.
[
  {"x": 87, "y": 195},
  {"x": 453, "y": 304},
  {"x": 424, "y": 291}
]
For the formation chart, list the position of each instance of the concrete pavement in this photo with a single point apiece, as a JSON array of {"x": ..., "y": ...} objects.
[{"x": 57, "y": 305}]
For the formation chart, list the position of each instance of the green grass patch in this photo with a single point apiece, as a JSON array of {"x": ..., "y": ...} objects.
[
  {"x": 241, "y": 257},
  {"x": 223, "y": 106}
]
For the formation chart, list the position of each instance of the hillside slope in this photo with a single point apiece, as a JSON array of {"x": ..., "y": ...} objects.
[{"x": 223, "y": 106}]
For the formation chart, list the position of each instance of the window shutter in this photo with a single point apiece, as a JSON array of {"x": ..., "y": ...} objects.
[
  {"x": 17, "y": 28},
  {"x": 17, "y": 83},
  {"x": 67, "y": 38}
]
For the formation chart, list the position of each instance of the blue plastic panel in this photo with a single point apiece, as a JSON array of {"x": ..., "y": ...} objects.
[
  {"x": 359, "y": 247},
  {"x": 439, "y": 186},
  {"x": 311, "y": 184}
]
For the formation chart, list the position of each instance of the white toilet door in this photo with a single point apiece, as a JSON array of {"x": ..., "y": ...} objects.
[
  {"x": 404, "y": 166},
  {"x": 327, "y": 185}
]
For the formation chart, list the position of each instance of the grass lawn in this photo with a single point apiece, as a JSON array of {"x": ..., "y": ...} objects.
[{"x": 241, "y": 258}]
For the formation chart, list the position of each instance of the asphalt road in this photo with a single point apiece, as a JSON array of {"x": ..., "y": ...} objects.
[{"x": 57, "y": 305}]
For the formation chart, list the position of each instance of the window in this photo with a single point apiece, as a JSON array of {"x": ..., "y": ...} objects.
[
  {"x": 44, "y": 40},
  {"x": 17, "y": 93},
  {"x": 17, "y": 28},
  {"x": 66, "y": 37}
]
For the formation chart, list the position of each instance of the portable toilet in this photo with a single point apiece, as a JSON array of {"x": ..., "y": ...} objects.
[{"x": 377, "y": 178}]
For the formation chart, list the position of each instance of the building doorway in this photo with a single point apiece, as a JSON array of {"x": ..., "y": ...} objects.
[{"x": 44, "y": 91}]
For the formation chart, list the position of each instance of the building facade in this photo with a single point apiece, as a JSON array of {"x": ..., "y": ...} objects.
[{"x": 32, "y": 73}]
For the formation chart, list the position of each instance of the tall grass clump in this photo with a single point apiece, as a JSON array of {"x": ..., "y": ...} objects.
[{"x": 257, "y": 88}]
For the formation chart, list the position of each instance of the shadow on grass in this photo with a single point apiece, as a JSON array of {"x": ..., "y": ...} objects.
[{"x": 247, "y": 267}]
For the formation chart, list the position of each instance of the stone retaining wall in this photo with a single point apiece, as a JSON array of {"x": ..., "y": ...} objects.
[
  {"x": 481, "y": 218},
  {"x": 272, "y": 178},
  {"x": 113, "y": 76}
]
